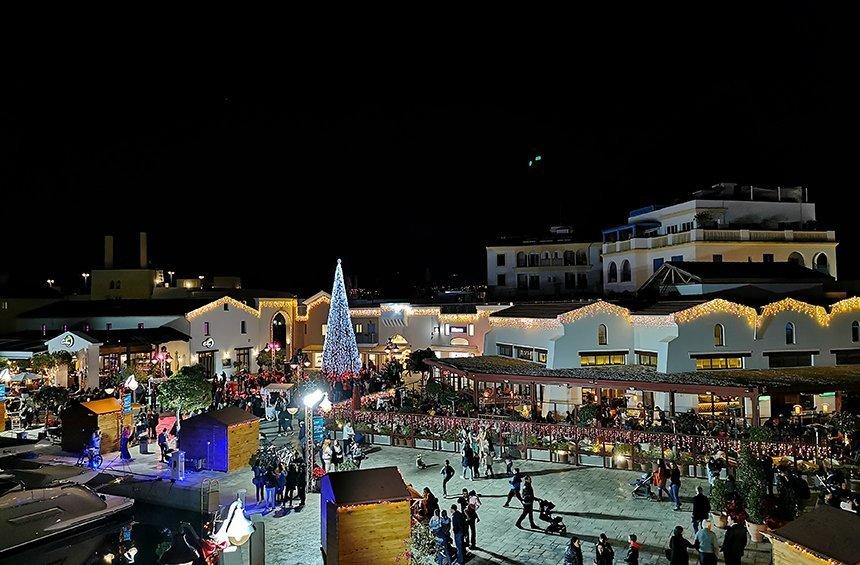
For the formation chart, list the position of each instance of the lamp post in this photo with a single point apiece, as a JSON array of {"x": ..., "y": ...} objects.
[
  {"x": 273, "y": 347},
  {"x": 170, "y": 274},
  {"x": 86, "y": 277},
  {"x": 310, "y": 401},
  {"x": 299, "y": 363},
  {"x": 50, "y": 283}
]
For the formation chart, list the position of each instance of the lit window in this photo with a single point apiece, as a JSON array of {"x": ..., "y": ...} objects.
[
  {"x": 324, "y": 328},
  {"x": 525, "y": 353},
  {"x": 541, "y": 355},
  {"x": 790, "y": 338},
  {"x": 647, "y": 358},
  {"x": 471, "y": 329},
  {"x": 589, "y": 359},
  {"x": 601, "y": 335},
  {"x": 705, "y": 363},
  {"x": 359, "y": 328},
  {"x": 719, "y": 335}
]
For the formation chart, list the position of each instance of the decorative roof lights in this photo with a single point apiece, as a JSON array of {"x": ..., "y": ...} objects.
[
  {"x": 716, "y": 306},
  {"x": 598, "y": 308},
  {"x": 365, "y": 312},
  {"x": 845, "y": 306},
  {"x": 220, "y": 302},
  {"x": 818, "y": 313},
  {"x": 318, "y": 301},
  {"x": 278, "y": 304},
  {"x": 526, "y": 323}
]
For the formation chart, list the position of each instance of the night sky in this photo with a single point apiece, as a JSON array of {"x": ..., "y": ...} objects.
[{"x": 230, "y": 180}]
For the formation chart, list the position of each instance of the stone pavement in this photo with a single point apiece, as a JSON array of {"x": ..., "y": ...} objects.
[{"x": 591, "y": 501}]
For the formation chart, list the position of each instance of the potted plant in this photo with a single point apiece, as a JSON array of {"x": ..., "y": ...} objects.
[
  {"x": 382, "y": 435},
  {"x": 622, "y": 453},
  {"x": 752, "y": 484},
  {"x": 719, "y": 492}
]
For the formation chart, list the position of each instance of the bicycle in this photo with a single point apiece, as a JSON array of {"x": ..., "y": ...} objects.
[{"x": 93, "y": 460}]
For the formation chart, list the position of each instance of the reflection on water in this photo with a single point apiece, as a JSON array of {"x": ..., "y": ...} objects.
[{"x": 136, "y": 536}]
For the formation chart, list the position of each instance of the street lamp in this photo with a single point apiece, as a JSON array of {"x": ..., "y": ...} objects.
[
  {"x": 273, "y": 347},
  {"x": 50, "y": 283},
  {"x": 86, "y": 279},
  {"x": 310, "y": 401},
  {"x": 391, "y": 348},
  {"x": 170, "y": 274}
]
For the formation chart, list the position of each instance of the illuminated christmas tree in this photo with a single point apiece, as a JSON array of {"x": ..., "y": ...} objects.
[{"x": 341, "y": 360}]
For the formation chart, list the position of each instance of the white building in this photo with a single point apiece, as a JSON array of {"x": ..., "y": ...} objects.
[
  {"x": 553, "y": 264},
  {"x": 727, "y": 223}
]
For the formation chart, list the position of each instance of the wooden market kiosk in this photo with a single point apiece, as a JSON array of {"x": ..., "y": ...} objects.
[
  {"x": 81, "y": 420},
  {"x": 364, "y": 516},
  {"x": 225, "y": 438},
  {"x": 825, "y": 535}
]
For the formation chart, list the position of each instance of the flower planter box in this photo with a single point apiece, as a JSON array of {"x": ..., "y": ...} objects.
[
  {"x": 401, "y": 441},
  {"x": 377, "y": 439},
  {"x": 561, "y": 456},
  {"x": 421, "y": 443},
  {"x": 451, "y": 446},
  {"x": 691, "y": 471},
  {"x": 539, "y": 454},
  {"x": 591, "y": 460}
]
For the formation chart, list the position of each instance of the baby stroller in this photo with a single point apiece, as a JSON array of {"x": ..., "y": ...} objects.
[
  {"x": 556, "y": 526},
  {"x": 641, "y": 486}
]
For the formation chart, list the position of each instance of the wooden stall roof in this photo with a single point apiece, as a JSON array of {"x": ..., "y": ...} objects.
[
  {"x": 365, "y": 486},
  {"x": 829, "y": 532},
  {"x": 795, "y": 379},
  {"x": 229, "y": 416},
  {"x": 103, "y": 406}
]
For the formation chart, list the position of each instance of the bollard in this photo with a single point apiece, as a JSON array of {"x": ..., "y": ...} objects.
[{"x": 257, "y": 547}]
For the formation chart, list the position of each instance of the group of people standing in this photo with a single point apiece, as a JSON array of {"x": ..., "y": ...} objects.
[
  {"x": 477, "y": 453},
  {"x": 280, "y": 484},
  {"x": 461, "y": 524}
]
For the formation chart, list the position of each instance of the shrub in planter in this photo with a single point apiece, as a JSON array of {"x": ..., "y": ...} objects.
[
  {"x": 752, "y": 484},
  {"x": 587, "y": 413},
  {"x": 623, "y": 455},
  {"x": 719, "y": 494},
  {"x": 762, "y": 433}
]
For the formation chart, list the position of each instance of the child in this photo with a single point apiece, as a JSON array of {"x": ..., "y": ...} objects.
[
  {"x": 632, "y": 557},
  {"x": 420, "y": 462}
]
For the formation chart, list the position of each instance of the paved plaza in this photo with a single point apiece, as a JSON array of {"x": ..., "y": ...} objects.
[{"x": 591, "y": 501}]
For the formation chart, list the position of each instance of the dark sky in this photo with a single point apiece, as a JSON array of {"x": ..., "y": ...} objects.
[{"x": 228, "y": 178}]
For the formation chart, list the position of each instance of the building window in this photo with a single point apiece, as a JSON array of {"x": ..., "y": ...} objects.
[
  {"x": 112, "y": 285},
  {"x": 205, "y": 328},
  {"x": 243, "y": 327},
  {"x": 569, "y": 281},
  {"x": 601, "y": 335},
  {"x": 522, "y": 282},
  {"x": 242, "y": 358},
  {"x": 848, "y": 357},
  {"x": 324, "y": 329},
  {"x": 613, "y": 273},
  {"x": 790, "y": 337},
  {"x": 581, "y": 280},
  {"x": 717, "y": 258},
  {"x": 471, "y": 329},
  {"x": 457, "y": 330},
  {"x": 705, "y": 363},
  {"x": 534, "y": 260},
  {"x": 505, "y": 350},
  {"x": 525, "y": 353},
  {"x": 108, "y": 326},
  {"x": 500, "y": 259},
  {"x": 589, "y": 359},
  {"x": 581, "y": 257},
  {"x": 767, "y": 257},
  {"x": 625, "y": 271},
  {"x": 359, "y": 328},
  {"x": 500, "y": 280},
  {"x": 855, "y": 332},
  {"x": 658, "y": 262},
  {"x": 226, "y": 307},
  {"x": 820, "y": 262},
  {"x": 647, "y": 358},
  {"x": 541, "y": 356},
  {"x": 569, "y": 258},
  {"x": 789, "y": 359},
  {"x": 521, "y": 259},
  {"x": 534, "y": 282},
  {"x": 719, "y": 335},
  {"x": 118, "y": 285},
  {"x": 5, "y": 304},
  {"x": 140, "y": 325}
]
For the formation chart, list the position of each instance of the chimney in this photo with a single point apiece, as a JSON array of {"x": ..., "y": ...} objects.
[
  {"x": 144, "y": 262},
  {"x": 108, "y": 252}
]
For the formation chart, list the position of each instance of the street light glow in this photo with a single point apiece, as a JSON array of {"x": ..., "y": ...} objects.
[{"x": 313, "y": 398}]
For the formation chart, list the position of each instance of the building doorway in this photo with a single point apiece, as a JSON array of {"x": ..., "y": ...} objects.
[{"x": 279, "y": 329}]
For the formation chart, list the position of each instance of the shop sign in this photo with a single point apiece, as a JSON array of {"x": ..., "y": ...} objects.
[
  {"x": 208, "y": 342},
  {"x": 68, "y": 341},
  {"x": 126, "y": 403}
]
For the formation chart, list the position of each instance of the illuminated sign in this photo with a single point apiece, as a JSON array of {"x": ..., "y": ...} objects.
[
  {"x": 68, "y": 341},
  {"x": 208, "y": 342}
]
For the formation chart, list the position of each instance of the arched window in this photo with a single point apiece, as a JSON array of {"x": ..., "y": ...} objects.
[
  {"x": 821, "y": 264},
  {"x": 625, "y": 271},
  {"x": 521, "y": 259},
  {"x": 569, "y": 258},
  {"x": 118, "y": 285},
  {"x": 613, "y": 273},
  {"x": 719, "y": 335},
  {"x": 789, "y": 334},
  {"x": 797, "y": 259},
  {"x": 601, "y": 335},
  {"x": 855, "y": 332},
  {"x": 112, "y": 285},
  {"x": 534, "y": 259}
]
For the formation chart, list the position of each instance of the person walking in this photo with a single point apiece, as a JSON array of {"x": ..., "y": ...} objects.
[
  {"x": 706, "y": 543},
  {"x": 472, "y": 518},
  {"x": 675, "y": 486},
  {"x": 458, "y": 526},
  {"x": 734, "y": 543},
  {"x": 633, "y": 547},
  {"x": 152, "y": 423},
  {"x": 509, "y": 464},
  {"x": 301, "y": 469},
  {"x": 603, "y": 552},
  {"x": 516, "y": 483},
  {"x": 573, "y": 553},
  {"x": 270, "y": 482},
  {"x": 467, "y": 455},
  {"x": 489, "y": 457},
  {"x": 258, "y": 481},
  {"x": 280, "y": 494},
  {"x": 528, "y": 500},
  {"x": 701, "y": 509},
  {"x": 292, "y": 479},
  {"x": 678, "y": 550},
  {"x": 162, "y": 444},
  {"x": 123, "y": 444},
  {"x": 447, "y": 473},
  {"x": 659, "y": 478}
]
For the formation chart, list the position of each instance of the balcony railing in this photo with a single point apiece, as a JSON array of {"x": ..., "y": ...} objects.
[
  {"x": 366, "y": 338},
  {"x": 671, "y": 239}
]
